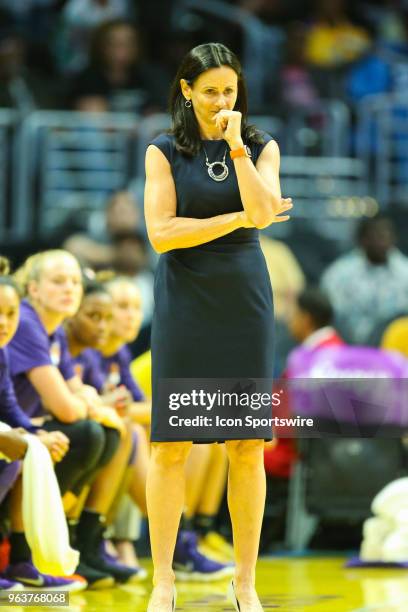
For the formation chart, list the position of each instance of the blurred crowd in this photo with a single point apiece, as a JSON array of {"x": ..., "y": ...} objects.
[{"x": 120, "y": 55}]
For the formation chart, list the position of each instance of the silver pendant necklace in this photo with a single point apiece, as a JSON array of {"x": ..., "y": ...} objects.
[{"x": 223, "y": 174}]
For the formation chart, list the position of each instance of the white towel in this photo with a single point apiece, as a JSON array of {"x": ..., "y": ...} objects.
[
  {"x": 43, "y": 514},
  {"x": 395, "y": 546},
  {"x": 370, "y": 551},
  {"x": 391, "y": 499},
  {"x": 376, "y": 529}
]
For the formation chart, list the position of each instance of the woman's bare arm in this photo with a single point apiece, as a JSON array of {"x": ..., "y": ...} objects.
[
  {"x": 259, "y": 185},
  {"x": 167, "y": 231},
  {"x": 55, "y": 394}
]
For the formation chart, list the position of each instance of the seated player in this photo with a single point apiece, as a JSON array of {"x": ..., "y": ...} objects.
[
  {"x": 48, "y": 391},
  {"x": 13, "y": 445}
]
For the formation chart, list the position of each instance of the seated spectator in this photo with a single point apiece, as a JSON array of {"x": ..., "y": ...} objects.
[
  {"x": 387, "y": 20},
  {"x": 310, "y": 325},
  {"x": 311, "y": 322},
  {"x": 117, "y": 73},
  {"x": 95, "y": 248},
  {"x": 383, "y": 69},
  {"x": 370, "y": 75},
  {"x": 297, "y": 87},
  {"x": 333, "y": 40},
  {"x": 21, "y": 87},
  {"x": 78, "y": 19},
  {"x": 369, "y": 284}
]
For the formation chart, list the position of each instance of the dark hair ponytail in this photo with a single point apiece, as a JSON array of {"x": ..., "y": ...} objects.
[
  {"x": 92, "y": 286},
  {"x": 184, "y": 123}
]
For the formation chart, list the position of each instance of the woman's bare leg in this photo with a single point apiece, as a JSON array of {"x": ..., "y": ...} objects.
[
  {"x": 137, "y": 487},
  {"x": 246, "y": 501},
  {"x": 165, "y": 502},
  {"x": 196, "y": 471},
  {"x": 215, "y": 480}
]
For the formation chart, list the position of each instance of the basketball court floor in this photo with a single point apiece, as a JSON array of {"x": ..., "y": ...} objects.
[{"x": 285, "y": 585}]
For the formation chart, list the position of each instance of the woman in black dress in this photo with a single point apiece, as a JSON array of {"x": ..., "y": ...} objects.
[{"x": 213, "y": 300}]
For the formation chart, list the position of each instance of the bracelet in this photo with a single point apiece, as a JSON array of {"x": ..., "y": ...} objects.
[{"x": 244, "y": 151}]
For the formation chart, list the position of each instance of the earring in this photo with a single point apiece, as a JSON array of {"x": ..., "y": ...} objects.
[{"x": 188, "y": 104}]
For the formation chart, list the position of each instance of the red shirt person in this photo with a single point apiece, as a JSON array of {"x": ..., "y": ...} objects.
[{"x": 311, "y": 326}]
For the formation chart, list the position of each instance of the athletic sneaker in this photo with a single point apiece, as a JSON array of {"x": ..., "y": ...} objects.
[
  {"x": 90, "y": 543},
  {"x": 103, "y": 562},
  {"x": 214, "y": 545},
  {"x": 136, "y": 574},
  {"x": 191, "y": 565},
  {"x": 28, "y": 575},
  {"x": 94, "y": 578},
  {"x": 10, "y": 585}
]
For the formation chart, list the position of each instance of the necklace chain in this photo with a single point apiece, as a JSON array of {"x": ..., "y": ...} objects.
[{"x": 225, "y": 171}]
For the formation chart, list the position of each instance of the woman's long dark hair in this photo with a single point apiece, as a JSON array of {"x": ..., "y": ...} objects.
[{"x": 184, "y": 123}]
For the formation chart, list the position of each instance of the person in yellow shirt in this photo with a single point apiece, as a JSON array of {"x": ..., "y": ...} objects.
[
  {"x": 395, "y": 337},
  {"x": 286, "y": 275},
  {"x": 333, "y": 40}
]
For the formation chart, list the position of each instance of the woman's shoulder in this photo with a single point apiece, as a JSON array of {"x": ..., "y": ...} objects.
[
  {"x": 259, "y": 138},
  {"x": 29, "y": 321},
  {"x": 31, "y": 339},
  {"x": 258, "y": 143},
  {"x": 166, "y": 143}
]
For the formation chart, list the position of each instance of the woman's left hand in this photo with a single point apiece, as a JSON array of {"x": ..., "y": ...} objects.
[
  {"x": 229, "y": 122},
  {"x": 285, "y": 205}
]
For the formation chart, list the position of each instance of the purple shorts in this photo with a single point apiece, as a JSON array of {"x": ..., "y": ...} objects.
[{"x": 8, "y": 475}]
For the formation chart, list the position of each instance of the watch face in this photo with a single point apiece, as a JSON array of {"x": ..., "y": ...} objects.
[{"x": 248, "y": 150}]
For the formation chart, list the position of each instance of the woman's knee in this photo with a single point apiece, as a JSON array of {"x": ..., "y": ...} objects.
[
  {"x": 93, "y": 439},
  {"x": 111, "y": 444},
  {"x": 169, "y": 454},
  {"x": 245, "y": 452}
]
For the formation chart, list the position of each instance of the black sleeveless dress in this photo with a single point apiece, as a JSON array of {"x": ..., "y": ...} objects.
[{"x": 213, "y": 315}]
